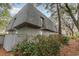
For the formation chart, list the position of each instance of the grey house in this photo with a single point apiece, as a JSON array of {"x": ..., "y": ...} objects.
[{"x": 27, "y": 23}]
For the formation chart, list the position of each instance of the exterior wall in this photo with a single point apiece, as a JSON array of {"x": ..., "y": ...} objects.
[
  {"x": 47, "y": 33},
  {"x": 48, "y": 24},
  {"x": 1, "y": 39},
  {"x": 11, "y": 40},
  {"x": 8, "y": 41},
  {"x": 29, "y": 32}
]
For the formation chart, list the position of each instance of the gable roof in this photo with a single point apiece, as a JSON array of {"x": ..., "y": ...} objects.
[{"x": 31, "y": 16}]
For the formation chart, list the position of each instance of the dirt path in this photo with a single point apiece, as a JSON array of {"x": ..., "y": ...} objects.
[{"x": 71, "y": 50}]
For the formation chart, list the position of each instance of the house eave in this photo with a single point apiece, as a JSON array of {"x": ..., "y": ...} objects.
[{"x": 25, "y": 24}]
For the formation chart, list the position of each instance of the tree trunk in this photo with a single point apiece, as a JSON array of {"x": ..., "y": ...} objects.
[
  {"x": 78, "y": 15},
  {"x": 59, "y": 18},
  {"x": 72, "y": 16}
]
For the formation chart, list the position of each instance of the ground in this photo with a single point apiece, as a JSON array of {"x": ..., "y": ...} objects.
[
  {"x": 4, "y": 53},
  {"x": 69, "y": 50}
]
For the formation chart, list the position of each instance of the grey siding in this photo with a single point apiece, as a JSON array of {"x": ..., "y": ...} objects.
[
  {"x": 30, "y": 15},
  {"x": 48, "y": 24},
  {"x": 11, "y": 40},
  {"x": 27, "y": 15}
]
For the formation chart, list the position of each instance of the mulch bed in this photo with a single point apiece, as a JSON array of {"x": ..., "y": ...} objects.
[
  {"x": 4, "y": 53},
  {"x": 71, "y": 50}
]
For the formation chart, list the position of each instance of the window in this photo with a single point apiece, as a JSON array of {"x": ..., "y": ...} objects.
[
  {"x": 42, "y": 20},
  {"x": 14, "y": 18}
]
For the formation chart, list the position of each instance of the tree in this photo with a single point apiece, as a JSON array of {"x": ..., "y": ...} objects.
[
  {"x": 53, "y": 9},
  {"x": 69, "y": 25},
  {"x": 59, "y": 18},
  {"x": 71, "y": 14},
  {"x": 68, "y": 10},
  {"x": 4, "y": 16},
  {"x": 78, "y": 15}
]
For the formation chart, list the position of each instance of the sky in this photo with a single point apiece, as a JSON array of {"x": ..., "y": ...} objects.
[{"x": 17, "y": 7}]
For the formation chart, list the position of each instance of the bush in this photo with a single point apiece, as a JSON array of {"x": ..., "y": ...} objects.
[
  {"x": 60, "y": 39},
  {"x": 25, "y": 48},
  {"x": 73, "y": 37},
  {"x": 48, "y": 45},
  {"x": 65, "y": 40},
  {"x": 41, "y": 46},
  {"x": 77, "y": 34}
]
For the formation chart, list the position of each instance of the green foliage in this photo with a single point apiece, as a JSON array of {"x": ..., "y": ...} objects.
[
  {"x": 48, "y": 45},
  {"x": 77, "y": 34},
  {"x": 65, "y": 40},
  {"x": 60, "y": 39},
  {"x": 5, "y": 13},
  {"x": 41, "y": 45},
  {"x": 73, "y": 37},
  {"x": 5, "y": 5},
  {"x": 26, "y": 48},
  {"x": 4, "y": 22},
  {"x": 4, "y": 16}
]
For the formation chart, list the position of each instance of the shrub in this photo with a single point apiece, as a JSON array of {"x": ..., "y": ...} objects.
[
  {"x": 47, "y": 45},
  {"x": 60, "y": 39},
  {"x": 25, "y": 48},
  {"x": 41, "y": 46},
  {"x": 65, "y": 40},
  {"x": 77, "y": 34}
]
